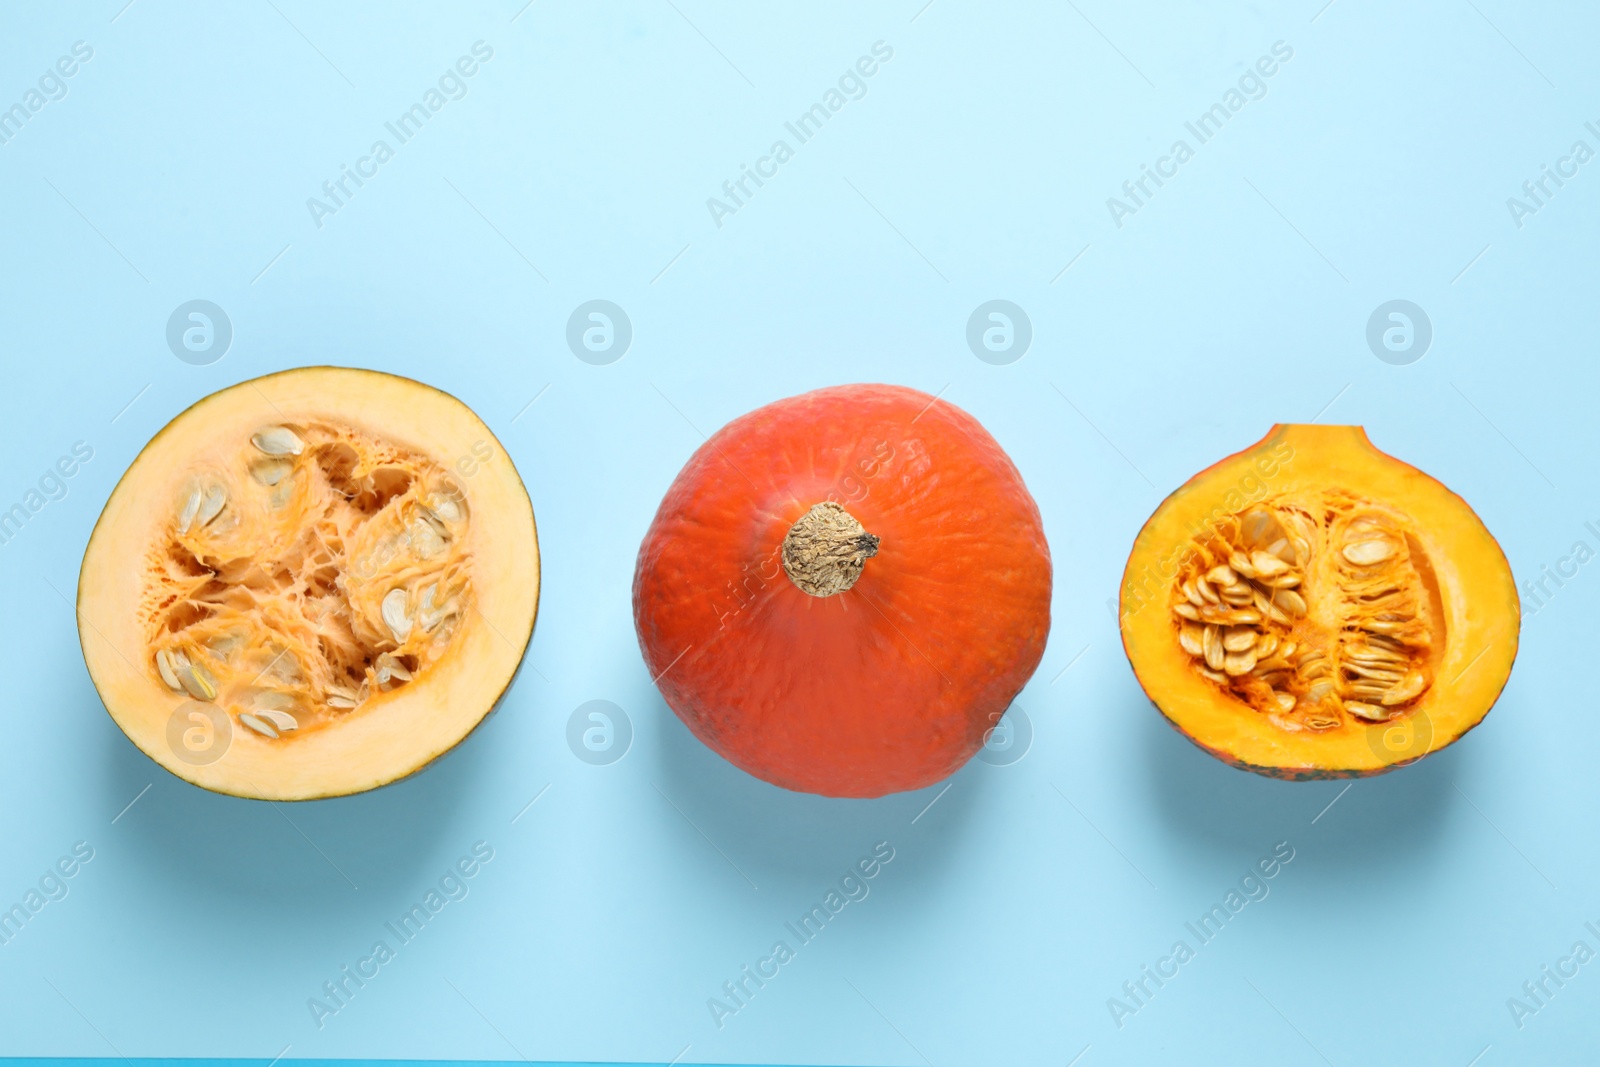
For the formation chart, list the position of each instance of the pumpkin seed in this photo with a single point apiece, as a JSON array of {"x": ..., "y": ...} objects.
[
  {"x": 445, "y": 507},
  {"x": 1369, "y": 712},
  {"x": 1289, "y": 602},
  {"x": 280, "y": 719},
  {"x": 1372, "y": 657},
  {"x": 1211, "y": 645},
  {"x": 1260, "y": 527},
  {"x": 1266, "y": 607},
  {"x": 1378, "y": 674},
  {"x": 272, "y": 700},
  {"x": 168, "y": 670},
  {"x": 258, "y": 725},
  {"x": 1229, "y": 616},
  {"x": 1266, "y": 564},
  {"x": 394, "y": 615},
  {"x": 211, "y": 504},
  {"x": 194, "y": 678},
  {"x": 223, "y": 646},
  {"x": 1188, "y": 637},
  {"x": 387, "y": 669},
  {"x": 430, "y": 616},
  {"x": 425, "y": 540},
  {"x": 1238, "y": 638},
  {"x": 1286, "y": 701},
  {"x": 1367, "y": 553},
  {"x": 282, "y": 667},
  {"x": 278, "y": 441},
  {"x": 436, "y": 522},
  {"x": 1409, "y": 688},
  {"x": 1237, "y": 663},
  {"x": 191, "y": 507},
  {"x": 271, "y": 471}
]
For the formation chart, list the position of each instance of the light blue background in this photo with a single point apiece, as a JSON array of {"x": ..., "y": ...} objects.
[{"x": 976, "y": 167}]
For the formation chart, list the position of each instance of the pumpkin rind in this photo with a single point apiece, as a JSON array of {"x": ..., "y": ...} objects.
[
  {"x": 1481, "y": 608},
  {"x": 891, "y": 684}
]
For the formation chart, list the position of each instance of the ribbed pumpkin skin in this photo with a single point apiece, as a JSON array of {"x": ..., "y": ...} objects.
[{"x": 891, "y": 684}]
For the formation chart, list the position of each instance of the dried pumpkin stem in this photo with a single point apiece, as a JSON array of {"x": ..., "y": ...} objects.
[{"x": 824, "y": 552}]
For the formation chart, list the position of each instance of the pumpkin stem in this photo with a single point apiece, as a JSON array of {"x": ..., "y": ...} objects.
[{"x": 823, "y": 553}]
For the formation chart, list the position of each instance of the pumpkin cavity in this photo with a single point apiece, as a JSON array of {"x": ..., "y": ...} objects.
[
  {"x": 1318, "y": 609},
  {"x": 305, "y": 570}
]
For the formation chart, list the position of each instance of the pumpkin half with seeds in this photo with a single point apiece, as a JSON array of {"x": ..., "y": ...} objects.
[
  {"x": 1313, "y": 608},
  {"x": 310, "y": 584}
]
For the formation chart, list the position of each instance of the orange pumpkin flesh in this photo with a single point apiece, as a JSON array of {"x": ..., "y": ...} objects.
[
  {"x": 1313, "y": 608},
  {"x": 843, "y": 591}
]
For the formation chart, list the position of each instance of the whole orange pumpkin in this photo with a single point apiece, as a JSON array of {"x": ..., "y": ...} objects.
[{"x": 842, "y": 592}]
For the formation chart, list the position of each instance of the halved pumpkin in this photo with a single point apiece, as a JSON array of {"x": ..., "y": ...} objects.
[
  {"x": 1313, "y": 608},
  {"x": 310, "y": 584}
]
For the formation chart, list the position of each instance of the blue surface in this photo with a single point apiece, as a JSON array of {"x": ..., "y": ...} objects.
[{"x": 975, "y": 165}]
